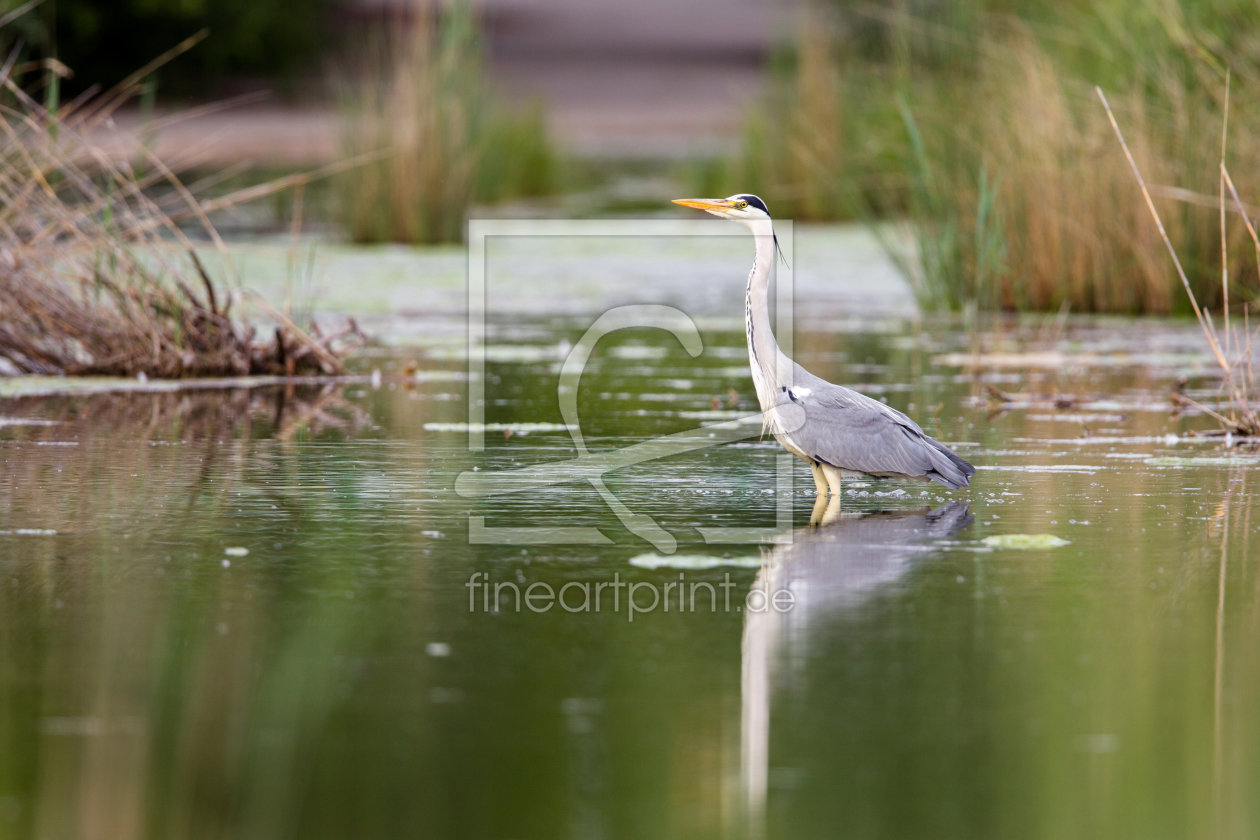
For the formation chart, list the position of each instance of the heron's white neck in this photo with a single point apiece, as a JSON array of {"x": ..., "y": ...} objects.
[{"x": 768, "y": 362}]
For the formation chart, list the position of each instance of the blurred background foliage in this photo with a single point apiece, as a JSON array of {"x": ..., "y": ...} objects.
[
  {"x": 103, "y": 41},
  {"x": 972, "y": 125},
  {"x": 422, "y": 92},
  {"x": 977, "y": 121}
]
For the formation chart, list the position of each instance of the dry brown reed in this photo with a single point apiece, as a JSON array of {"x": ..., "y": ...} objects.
[
  {"x": 797, "y": 152},
  {"x": 96, "y": 276},
  {"x": 1238, "y": 415},
  {"x": 1072, "y": 235},
  {"x": 421, "y": 98},
  {"x": 1000, "y": 161},
  {"x": 1071, "y": 238},
  {"x": 815, "y": 139}
]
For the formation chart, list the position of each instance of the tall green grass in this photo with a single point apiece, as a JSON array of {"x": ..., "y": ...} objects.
[
  {"x": 975, "y": 121},
  {"x": 423, "y": 99}
]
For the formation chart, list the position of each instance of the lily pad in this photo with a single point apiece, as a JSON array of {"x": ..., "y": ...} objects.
[{"x": 1025, "y": 541}]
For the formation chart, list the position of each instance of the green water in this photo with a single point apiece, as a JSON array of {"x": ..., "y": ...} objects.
[{"x": 342, "y": 678}]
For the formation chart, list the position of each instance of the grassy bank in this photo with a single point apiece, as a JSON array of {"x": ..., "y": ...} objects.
[{"x": 977, "y": 122}]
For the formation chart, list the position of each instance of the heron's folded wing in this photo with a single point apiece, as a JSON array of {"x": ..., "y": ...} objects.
[
  {"x": 827, "y": 395},
  {"x": 861, "y": 439},
  {"x": 854, "y": 432}
]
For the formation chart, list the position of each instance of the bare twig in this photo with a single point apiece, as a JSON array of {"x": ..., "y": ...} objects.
[
  {"x": 123, "y": 91},
  {"x": 998, "y": 394},
  {"x": 18, "y": 12},
  {"x": 1182, "y": 399},
  {"x": 205, "y": 279},
  {"x": 1250, "y": 424},
  {"x": 1186, "y": 196},
  {"x": 1181, "y": 272},
  {"x": 1224, "y": 244}
]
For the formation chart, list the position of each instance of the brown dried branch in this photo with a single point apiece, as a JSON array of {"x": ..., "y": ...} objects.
[{"x": 97, "y": 278}]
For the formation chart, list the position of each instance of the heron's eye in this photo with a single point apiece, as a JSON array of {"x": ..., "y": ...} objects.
[{"x": 743, "y": 204}]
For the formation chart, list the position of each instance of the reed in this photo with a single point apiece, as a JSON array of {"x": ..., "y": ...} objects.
[
  {"x": 1239, "y": 415},
  {"x": 978, "y": 127},
  {"x": 97, "y": 277},
  {"x": 1018, "y": 211},
  {"x": 422, "y": 96},
  {"x": 817, "y": 145}
]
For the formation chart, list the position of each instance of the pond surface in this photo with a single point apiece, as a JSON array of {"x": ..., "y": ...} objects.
[{"x": 264, "y": 613}]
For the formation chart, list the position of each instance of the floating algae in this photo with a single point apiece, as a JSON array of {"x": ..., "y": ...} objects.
[
  {"x": 1201, "y": 462},
  {"x": 1025, "y": 541},
  {"x": 514, "y": 428},
  {"x": 693, "y": 561}
]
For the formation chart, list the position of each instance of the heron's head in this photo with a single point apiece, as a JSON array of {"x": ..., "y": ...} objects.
[{"x": 741, "y": 207}]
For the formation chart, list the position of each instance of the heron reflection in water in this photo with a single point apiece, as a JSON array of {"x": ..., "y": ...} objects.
[{"x": 830, "y": 571}]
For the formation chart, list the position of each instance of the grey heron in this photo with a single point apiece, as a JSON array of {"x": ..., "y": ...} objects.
[{"x": 844, "y": 432}]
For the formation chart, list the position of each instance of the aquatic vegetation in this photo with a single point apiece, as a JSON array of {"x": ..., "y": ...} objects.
[
  {"x": 514, "y": 428},
  {"x": 796, "y": 148},
  {"x": 693, "y": 562},
  {"x": 1172, "y": 461},
  {"x": 424, "y": 100},
  {"x": 1025, "y": 542},
  {"x": 1233, "y": 357},
  {"x": 96, "y": 275},
  {"x": 1084, "y": 469},
  {"x": 972, "y": 122}
]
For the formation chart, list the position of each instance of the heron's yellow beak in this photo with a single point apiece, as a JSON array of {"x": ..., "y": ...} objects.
[{"x": 713, "y": 205}]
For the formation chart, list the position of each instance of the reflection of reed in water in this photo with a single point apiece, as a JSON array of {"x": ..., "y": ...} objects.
[
  {"x": 829, "y": 571},
  {"x": 190, "y": 415},
  {"x": 85, "y": 466},
  {"x": 150, "y": 685}
]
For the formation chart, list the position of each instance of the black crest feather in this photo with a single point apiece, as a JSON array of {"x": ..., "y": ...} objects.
[{"x": 755, "y": 202}]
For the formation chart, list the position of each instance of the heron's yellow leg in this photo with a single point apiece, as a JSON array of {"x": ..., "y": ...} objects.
[
  {"x": 833, "y": 478},
  {"x": 820, "y": 482}
]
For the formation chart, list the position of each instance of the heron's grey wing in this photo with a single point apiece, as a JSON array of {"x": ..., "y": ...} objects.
[{"x": 851, "y": 431}]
